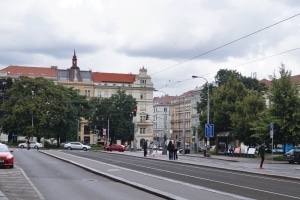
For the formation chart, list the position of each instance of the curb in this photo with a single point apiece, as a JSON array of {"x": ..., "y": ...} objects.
[{"x": 2, "y": 196}]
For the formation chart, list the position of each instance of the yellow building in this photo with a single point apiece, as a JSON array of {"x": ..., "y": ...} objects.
[{"x": 98, "y": 84}]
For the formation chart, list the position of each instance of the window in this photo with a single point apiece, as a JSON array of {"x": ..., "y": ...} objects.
[
  {"x": 165, "y": 109},
  {"x": 143, "y": 82},
  {"x": 87, "y": 93},
  {"x": 143, "y": 95},
  {"x": 143, "y": 118},
  {"x": 105, "y": 94},
  {"x": 142, "y": 130}
]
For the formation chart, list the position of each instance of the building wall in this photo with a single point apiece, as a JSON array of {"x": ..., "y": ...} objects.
[
  {"x": 181, "y": 119},
  {"x": 141, "y": 89}
]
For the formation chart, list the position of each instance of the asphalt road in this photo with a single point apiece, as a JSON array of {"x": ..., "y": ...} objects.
[
  {"x": 253, "y": 186},
  {"x": 187, "y": 178},
  {"x": 38, "y": 176}
]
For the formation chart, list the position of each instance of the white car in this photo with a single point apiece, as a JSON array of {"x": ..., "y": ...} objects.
[
  {"x": 34, "y": 145},
  {"x": 77, "y": 146}
]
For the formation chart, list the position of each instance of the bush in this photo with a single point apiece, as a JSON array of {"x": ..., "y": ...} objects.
[{"x": 50, "y": 146}]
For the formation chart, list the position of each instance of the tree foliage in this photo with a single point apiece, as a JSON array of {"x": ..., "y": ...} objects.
[
  {"x": 285, "y": 107},
  {"x": 39, "y": 108},
  {"x": 247, "y": 110},
  {"x": 223, "y": 75},
  {"x": 117, "y": 110},
  {"x": 224, "y": 100}
]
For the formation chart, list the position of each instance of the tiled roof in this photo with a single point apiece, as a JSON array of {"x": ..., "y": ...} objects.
[
  {"x": 164, "y": 100},
  {"x": 16, "y": 71},
  {"x": 295, "y": 79},
  {"x": 99, "y": 77},
  {"x": 267, "y": 82}
]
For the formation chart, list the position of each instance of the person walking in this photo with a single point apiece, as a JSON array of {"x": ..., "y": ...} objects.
[
  {"x": 261, "y": 153},
  {"x": 175, "y": 149},
  {"x": 170, "y": 148},
  {"x": 28, "y": 144},
  {"x": 231, "y": 150},
  {"x": 145, "y": 145},
  {"x": 151, "y": 146}
]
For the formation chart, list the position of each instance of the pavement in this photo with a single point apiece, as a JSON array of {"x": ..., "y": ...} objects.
[{"x": 160, "y": 186}]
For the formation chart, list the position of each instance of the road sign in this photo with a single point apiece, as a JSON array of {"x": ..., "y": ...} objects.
[
  {"x": 209, "y": 130},
  {"x": 271, "y": 130}
]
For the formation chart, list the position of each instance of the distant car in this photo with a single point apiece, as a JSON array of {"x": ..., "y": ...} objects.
[
  {"x": 115, "y": 147},
  {"x": 34, "y": 145},
  {"x": 292, "y": 156},
  {"x": 187, "y": 150},
  {"x": 76, "y": 146},
  {"x": 6, "y": 156}
]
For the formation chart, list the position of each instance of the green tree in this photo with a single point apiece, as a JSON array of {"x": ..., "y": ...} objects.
[
  {"x": 30, "y": 101},
  {"x": 224, "y": 100},
  {"x": 260, "y": 127},
  {"x": 247, "y": 110},
  {"x": 118, "y": 110},
  {"x": 285, "y": 108},
  {"x": 223, "y": 75},
  {"x": 39, "y": 108}
]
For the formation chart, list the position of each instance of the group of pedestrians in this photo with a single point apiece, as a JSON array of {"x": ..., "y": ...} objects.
[{"x": 172, "y": 149}]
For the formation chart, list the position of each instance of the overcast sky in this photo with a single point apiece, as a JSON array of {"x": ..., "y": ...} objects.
[{"x": 121, "y": 36}]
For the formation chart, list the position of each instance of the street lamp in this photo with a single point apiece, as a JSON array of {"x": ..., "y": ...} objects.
[
  {"x": 32, "y": 95},
  {"x": 207, "y": 145}
]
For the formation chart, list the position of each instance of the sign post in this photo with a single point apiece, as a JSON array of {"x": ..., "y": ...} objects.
[
  {"x": 272, "y": 135},
  {"x": 209, "y": 133}
]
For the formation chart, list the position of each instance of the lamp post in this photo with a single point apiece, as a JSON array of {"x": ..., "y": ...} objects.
[
  {"x": 32, "y": 95},
  {"x": 207, "y": 144}
]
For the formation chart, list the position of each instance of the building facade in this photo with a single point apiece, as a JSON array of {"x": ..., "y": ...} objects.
[
  {"x": 162, "y": 118},
  {"x": 98, "y": 84},
  {"x": 181, "y": 119}
]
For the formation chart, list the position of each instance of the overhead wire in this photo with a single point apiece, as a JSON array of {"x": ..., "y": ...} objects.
[
  {"x": 226, "y": 44},
  {"x": 252, "y": 61}
]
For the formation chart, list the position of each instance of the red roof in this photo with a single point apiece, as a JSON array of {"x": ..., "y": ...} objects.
[
  {"x": 16, "y": 71},
  {"x": 99, "y": 77},
  {"x": 267, "y": 82}
]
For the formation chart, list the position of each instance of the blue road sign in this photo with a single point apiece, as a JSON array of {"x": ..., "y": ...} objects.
[
  {"x": 271, "y": 127},
  {"x": 209, "y": 130}
]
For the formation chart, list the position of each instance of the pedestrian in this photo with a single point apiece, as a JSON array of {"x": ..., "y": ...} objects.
[
  {"x": 28, "y": 144},
  {"x": 175, "y": 156},
  {"x": 231, "y": 150},
  {"x": 145, "y": 145},
  {"x": 151, "y": 145},
  {"x": 261, "y": 153},
  {"x": 170, "y": 148}
]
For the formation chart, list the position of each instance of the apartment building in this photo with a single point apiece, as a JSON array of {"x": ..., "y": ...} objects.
[
  {"x": 162, "y": 118},
  {"x": 98, "y": 84}
]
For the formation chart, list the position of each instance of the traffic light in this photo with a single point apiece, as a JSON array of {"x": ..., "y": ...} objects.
[{"x": 134, "y": 111}]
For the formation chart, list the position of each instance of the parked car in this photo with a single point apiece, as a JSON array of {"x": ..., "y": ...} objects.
[
  {"x": 76, "y": 146},
  {"x": 292, "y": 155},
  {"x": 34, "y": 145},
  {"x": 187, "y": 150},
  {"x": 115, "y": 147},
  {"x": 6, "y": 156}
]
